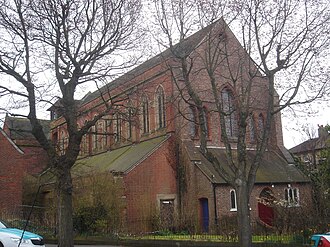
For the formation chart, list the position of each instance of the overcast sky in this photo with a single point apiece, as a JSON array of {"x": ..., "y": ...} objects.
[{"x": 292, "y": 122}]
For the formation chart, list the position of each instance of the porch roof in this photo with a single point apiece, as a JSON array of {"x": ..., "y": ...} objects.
[
  {"x": 121, "y": 160},
  {"x": 273, "y": 168}
]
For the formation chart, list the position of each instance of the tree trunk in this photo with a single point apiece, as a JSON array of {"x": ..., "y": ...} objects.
[
  {"x": 65, "y": 212},
  {"x": 243, "y": 216}
]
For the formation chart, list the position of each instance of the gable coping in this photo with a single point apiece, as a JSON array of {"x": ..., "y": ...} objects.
[{"x": 11, "y": 141}]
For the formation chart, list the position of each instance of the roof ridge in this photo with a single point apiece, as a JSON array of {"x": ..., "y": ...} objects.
[{"x": 152, "y": 62}]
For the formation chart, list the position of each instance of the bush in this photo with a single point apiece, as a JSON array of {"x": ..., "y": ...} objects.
[{"x": 90, "y": 219}]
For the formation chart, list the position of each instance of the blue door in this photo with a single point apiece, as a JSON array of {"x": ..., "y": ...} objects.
[{"x": 204, "y": 204}]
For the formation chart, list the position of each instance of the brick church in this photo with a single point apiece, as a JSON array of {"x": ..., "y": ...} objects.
[{"x": 150, "y": 143}]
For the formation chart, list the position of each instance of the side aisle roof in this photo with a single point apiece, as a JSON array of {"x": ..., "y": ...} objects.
[
  {"x": 273, "y": 167},
  {"x": 120, "y": 161}
]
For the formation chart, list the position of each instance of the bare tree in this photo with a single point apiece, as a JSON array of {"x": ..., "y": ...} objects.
[
  {"x": 73, "y": 43},
  {"x": 287, "y": 41}
]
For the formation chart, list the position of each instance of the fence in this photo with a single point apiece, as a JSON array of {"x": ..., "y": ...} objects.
[{"x": 45, "y": 225}]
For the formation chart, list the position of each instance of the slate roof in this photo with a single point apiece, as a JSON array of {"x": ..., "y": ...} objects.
[
  {"x": 185, "y": 47},
  {"x": 273, "y": 169},
  {"x": 121, "y": 160},
  {"x": 310, "y": 145},
  {"x": 20, "y": 128}
]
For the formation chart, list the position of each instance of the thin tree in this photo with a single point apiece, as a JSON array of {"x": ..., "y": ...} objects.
[
  {"x": 287, "y": 41},
  {"x": 74, "y": 43}
]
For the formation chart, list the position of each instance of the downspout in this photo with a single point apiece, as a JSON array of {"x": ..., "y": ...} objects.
[{"x": 215, "y": 205}]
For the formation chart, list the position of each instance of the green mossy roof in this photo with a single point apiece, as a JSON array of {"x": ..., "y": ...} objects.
[
  {"x": 121, "y": 160},
  {"x": 273, "y": 168}
]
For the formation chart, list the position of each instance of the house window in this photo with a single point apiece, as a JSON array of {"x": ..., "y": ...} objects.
[
  {"x": 53, "y": 115},
  {"x": 145, "y": 114},
  {"x": 292, "y": 196},
  {"x": 55, "y": 139},
  {"x": 229, "y": 112},
  {"x": 160, "y": 104},
  {"x": 233, "y": 202}
]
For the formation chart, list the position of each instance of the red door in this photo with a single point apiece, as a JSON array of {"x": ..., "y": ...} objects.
[{"x": 265, "y": 207}]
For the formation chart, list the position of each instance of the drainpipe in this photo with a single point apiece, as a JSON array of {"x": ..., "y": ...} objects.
[{"x": 215, "y": 205}]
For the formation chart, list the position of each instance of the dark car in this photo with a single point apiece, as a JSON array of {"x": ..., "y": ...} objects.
[{"x": 319, "y": 240}]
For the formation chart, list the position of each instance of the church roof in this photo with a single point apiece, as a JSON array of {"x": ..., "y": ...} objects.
[
  {"x": 273, "y": 168},
  {"x": 118, "y": 161},
  {"x": 186, "y": 46}
]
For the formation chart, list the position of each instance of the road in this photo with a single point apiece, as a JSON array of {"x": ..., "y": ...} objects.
[{"x": 54, "y": 245}]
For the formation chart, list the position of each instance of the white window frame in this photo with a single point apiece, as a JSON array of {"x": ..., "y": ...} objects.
[
  {"x": 233, "y": 208},
  {"x": 292, "y": 196}
]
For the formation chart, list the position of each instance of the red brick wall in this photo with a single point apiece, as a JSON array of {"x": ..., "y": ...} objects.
[
  {"x": 200, "y": 187},
  {"x": 223, "y": 197},
  {"x": 35, "y": 159},
  {"x": 14, "y": 165},
  {"x": 193, "y": 187},
  {"x": 197, "y": 185},
  {"x": 151, "y": 180},
  {"x": 144, "y": 84},
  {"x": 11, "y": 173},
  {"x": 200, "y": 80}
]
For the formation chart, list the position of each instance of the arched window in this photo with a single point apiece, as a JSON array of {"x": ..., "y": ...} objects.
[
  {"x": 145, "y": 114},
  {"x": 251, "y": 124},
  {"x": 130, "y": 112},
  {"x": 192, "y": 122},
  {"x": 229, "y": 111},
  {"x": 104, "y": 134},
  {"x": 95, "y": 136},
  {"x": 206, "y": 120},
  {"x": 100, "y": 137},
  {"x": 107, "y": 131},
  {"x": 85, "y": 143},
  {"x": 292, "y": 196},
  {"x": 160, "y": 107},
  {"x": 233, "y": 202},
  {"x": 117, "y": 128},
  {"x": 63, "y": 142},
  {"x": 260, "y": 124}
]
